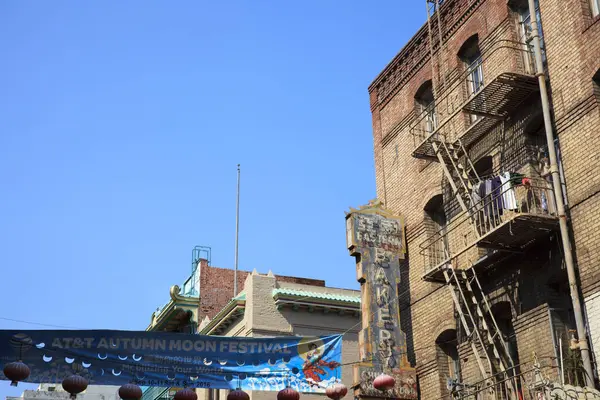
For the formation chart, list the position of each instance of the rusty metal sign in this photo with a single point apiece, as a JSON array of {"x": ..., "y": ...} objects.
[{"x": 376, "y": 238}]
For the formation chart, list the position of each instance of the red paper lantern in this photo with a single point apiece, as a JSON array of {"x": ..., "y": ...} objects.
[
  {"x": 74, "y": 385},
  {"x": 16, "y": 371},
  {"x": 336, "y": 391},
  {"x": 384, "y": 382},
  {"x": 130, "y": 392},
  {"x": 288, "y": 394},
  {"x": 185, "y": 394},
  {"x": 238, "y": 394}
]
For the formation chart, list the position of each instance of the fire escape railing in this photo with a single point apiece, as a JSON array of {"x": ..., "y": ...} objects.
[
  {"x": 501, "y": 57},
  {"x": 535, "y": 198}
]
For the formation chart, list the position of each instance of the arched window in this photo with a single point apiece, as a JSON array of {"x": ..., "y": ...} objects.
[
  {"x": 470, "y": 54},
  {"x": 434, "y": 210},
  {"x": 435, "y": 224},
  {"x": 521, "y": 7},
  {"x": 425, "y": 106},
  {"x": 448, "y": 361},
  {"x": 483, "y": 167}
]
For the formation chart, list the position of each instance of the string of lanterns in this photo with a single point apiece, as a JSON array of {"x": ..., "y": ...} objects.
[{"x": 18, "y": 371}]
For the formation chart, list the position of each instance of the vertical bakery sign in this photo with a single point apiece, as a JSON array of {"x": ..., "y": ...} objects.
[{"x": 376, "y": 238}]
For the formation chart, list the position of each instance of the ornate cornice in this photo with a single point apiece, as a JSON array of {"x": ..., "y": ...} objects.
[
  {"x": 375, "y": 206},
  {"x": 177, "y": 303},
  {"x": 416, "y": 52}
]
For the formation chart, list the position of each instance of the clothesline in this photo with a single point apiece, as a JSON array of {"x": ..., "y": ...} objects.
[{"x": 494, "y": 195}]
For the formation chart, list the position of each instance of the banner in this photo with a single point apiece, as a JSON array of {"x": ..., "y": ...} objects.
[{"x": 104, "y": 357}]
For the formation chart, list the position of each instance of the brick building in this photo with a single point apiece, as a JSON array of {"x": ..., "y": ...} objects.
[
  {"x": 461, "y": 152},
  {"x": 270, "y": 305},
  {"x": 204, "y": 304},
  {"x": 216, "y": 287}
]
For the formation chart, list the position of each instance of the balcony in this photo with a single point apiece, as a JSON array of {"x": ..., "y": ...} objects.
[
  {"x": 476, "y": 100},
  {"x": 492, "y": 228}
]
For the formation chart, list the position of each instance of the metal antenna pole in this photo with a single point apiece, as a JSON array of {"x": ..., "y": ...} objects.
[
  {"x": 558, "y": 194},
  {"x": 237, "y": 232}
]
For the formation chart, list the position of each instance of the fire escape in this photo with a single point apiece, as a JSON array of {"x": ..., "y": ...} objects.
[{"x": 465, "y": 109}]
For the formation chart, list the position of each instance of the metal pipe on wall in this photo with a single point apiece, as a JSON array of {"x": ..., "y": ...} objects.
[{"x": 556, "y": 183}]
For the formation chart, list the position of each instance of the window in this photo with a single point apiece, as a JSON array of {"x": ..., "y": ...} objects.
[
  {"x": 595, "y": 4},
  {"x": 470, "y": 54},
  {"x": 435, "y": 223},
  {"x": 448, "y": 360},
  {"x": 525, "y": 30},
  {"x": 502, "y": 313},
  {"x": 425, "y": 106},
  {"x": 484, "y": 167}
]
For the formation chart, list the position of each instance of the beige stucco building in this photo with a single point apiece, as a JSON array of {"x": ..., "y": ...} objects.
[{"x": 268, "y": 306}]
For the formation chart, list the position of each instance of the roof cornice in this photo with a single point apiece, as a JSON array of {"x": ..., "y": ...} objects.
[
  {"x": 231, "y": 311},
  {"x": 176, "y": 303}
]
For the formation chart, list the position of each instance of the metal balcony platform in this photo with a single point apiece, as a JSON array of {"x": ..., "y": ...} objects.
[
  {"x": 424, "y": 150},
  {"x": 477, "y": 130},
  {"x": 492, "y": 103},
  {"x": 515, "y": 234},
  {"x": 502, "y": 95},
  {"x": 518, "y": 232}
]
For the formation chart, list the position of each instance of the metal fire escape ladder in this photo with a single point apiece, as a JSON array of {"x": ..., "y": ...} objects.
[
  {"x": 470, "y": 328},
  {"x": 453, "y": 154},
  {"x": 481, "y": 328},
  {"x": 460, "y": 178},
  {"x": 463, "y": 167},
  {"x": 494, "y": 335},
  {"x": 458, "y": 191}
]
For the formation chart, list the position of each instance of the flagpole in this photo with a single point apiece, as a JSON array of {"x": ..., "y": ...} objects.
[{"x": 237, "y": 232}]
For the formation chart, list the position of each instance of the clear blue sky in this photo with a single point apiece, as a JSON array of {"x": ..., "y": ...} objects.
[{"x": 121, "y": 124}]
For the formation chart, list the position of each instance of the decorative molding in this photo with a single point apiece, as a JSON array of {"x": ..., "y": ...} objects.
[
  {"x": 233, "y": 310},
  {"x": 416, "y": 52},
  {"x": 176, "y": 303}
]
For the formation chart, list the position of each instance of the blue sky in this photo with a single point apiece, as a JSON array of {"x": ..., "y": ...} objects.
[{"x": 121, "y": 126}]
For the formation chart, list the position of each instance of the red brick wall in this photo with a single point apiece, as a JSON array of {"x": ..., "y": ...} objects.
[{"x": 216, "y": 287}]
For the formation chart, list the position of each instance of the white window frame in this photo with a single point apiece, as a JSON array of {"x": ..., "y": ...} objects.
[
  {"x": 476, "y": 80},
  {"x": 430, "y": 117},
  {"x": 525, "y": 31},
  {"x": 595, "y": 6}
]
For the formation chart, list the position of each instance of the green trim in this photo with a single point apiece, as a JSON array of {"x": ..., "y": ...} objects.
[
  {"x": 278, "y": 293},
  {"x": 169, "y": 312},
  {"x": 241, "y": 296}
]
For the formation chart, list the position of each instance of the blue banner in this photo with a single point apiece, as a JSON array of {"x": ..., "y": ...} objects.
[{"x": 308, "y": 364}]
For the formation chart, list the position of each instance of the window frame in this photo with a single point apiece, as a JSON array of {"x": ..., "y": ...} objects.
[
  {"x": 471, "y": 57},
  {"x": 524, "y": 20},
  {"x": 595, "y": 8},
  {"x": 425, "y": 104}
]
